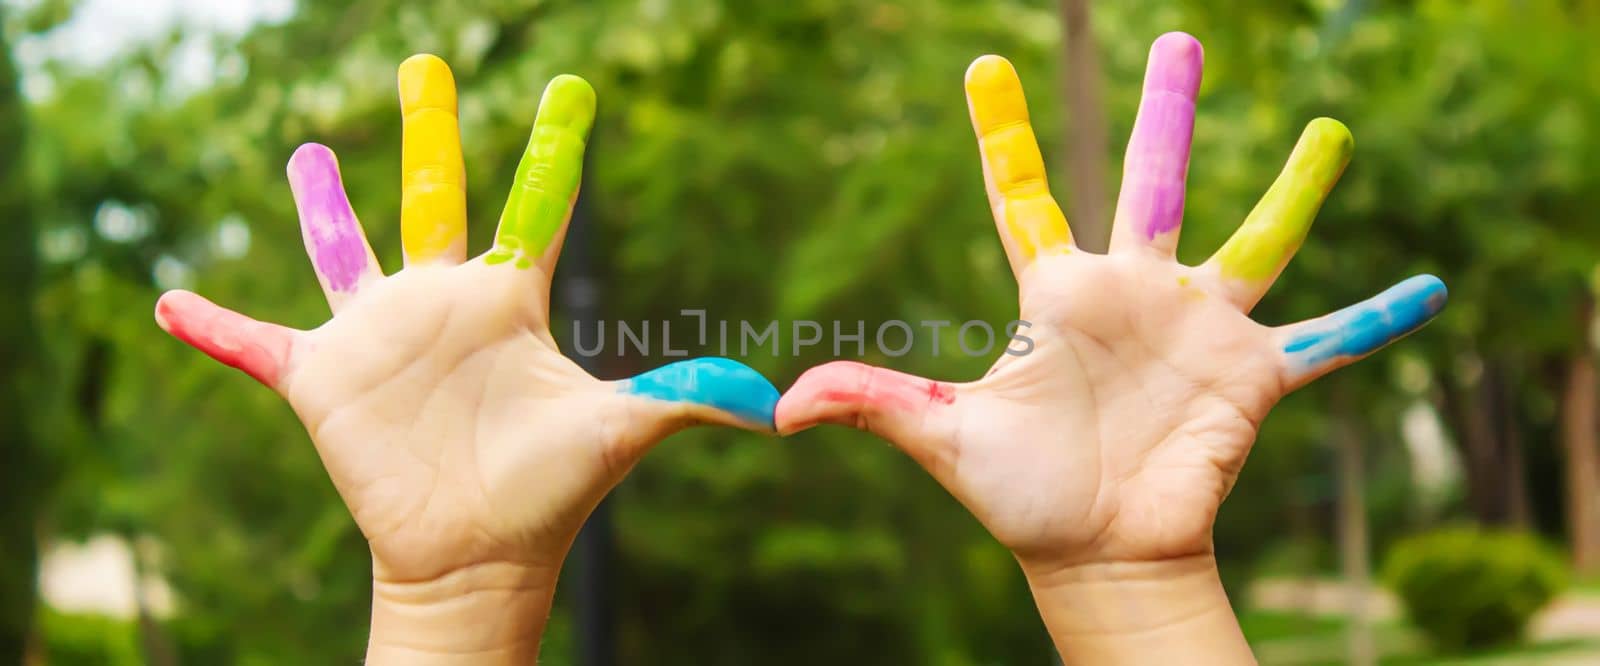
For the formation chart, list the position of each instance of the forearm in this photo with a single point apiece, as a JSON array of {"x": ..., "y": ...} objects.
[
  {"x": 489, "y": 614},
  {"x": 1167, "y": 612}
]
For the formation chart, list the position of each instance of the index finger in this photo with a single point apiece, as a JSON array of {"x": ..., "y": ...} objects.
[{"x": 547, "y": 178}]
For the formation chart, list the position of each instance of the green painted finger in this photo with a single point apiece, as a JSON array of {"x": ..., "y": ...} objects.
[
  {"x": 547, "y": 177},
  {"x": 1258, "y": 251}
]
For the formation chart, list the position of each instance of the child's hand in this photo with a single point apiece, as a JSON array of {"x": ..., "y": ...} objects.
[
  {"x": 1115, "y": 439},
  {"x": 467, "y": 447}
]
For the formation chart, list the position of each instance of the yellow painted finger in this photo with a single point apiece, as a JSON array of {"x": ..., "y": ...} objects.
[
  {"x": 433, "y": 179},
  {"x": 1012, "y": 165}
]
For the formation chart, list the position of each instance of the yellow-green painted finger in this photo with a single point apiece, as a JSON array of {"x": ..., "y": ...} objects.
[
  {"x": 548, "y": 175},
  {"x": 1273, "y": 231},
  {"x": 433, "y": 178}
]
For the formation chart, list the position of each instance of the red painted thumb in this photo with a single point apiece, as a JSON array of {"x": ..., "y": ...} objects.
[{"x": 907, "y": 410}]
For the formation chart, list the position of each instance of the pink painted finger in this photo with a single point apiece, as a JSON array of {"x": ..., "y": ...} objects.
[
  {"x": 1150, "y": 205},
  {"x": 258, "y": 348},
  {"x": 899, "y": 407},
  {"x": 338, "y": 248}
]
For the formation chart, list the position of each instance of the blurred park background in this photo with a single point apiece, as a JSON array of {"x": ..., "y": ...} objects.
[{"x": 800, "y": 159}]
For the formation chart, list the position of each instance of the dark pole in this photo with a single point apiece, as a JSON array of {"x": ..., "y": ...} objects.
[{"x": 579, "y": 298}]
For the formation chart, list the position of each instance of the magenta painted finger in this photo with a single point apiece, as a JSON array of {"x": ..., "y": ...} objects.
[
  {"x": 1150, "y": 206},
  {"x": 334, "y": 241}
]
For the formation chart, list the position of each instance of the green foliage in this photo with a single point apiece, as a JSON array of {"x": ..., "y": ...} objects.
[
  {"x": 88, "y": 640},
  {"x": 1468, "y": 587}
]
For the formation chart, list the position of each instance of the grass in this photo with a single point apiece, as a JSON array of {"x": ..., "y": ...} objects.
[{"x": 1286, "y": 639}]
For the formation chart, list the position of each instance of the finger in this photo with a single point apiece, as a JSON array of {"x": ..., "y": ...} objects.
[
  {"x": 903, "y": 409},
  {"x": 701, "y": 390},
  {"x": 1150, "y": 205},
  {"x": 547, "y": 178},
  {"x": 1029, "y": 220},
  {"x": 339, "y": 251},
  {"x": 433, "y": 178},
  {"x": 1252, "y": 259},
  {"x": 1314, "y": 348},
  {"x": 258, "y": 348}
]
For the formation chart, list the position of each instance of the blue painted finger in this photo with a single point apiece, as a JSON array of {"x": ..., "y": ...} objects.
[
  {"x": 1316, "y": 347},
  {"x": 718, "y": 383}
]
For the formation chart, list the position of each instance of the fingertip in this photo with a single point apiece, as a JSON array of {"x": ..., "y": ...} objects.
[
  {"x": 422, "y": 62},
  {"x": 994, "y": 95},
  {"x": 1178, "y": 44},
  {"x": 805, "y": 404},
  {"x": 988, "y": 70},
  {"x": 311, "y": 162},
  {"x": 1176, "y": 61},
  {"x": 1331, "y": 135},
  {"x": 168, "y": 305},
  {"x": 309, "y": 153},
  {"x": 569, "y": 101},
  {"x": 1426, "y": 295},
  {"x": 426, "y": 82}
]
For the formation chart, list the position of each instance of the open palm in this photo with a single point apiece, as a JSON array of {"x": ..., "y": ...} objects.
[
  {"x": 1116, "y": 430},
  {"x": 451, "y": 424}
]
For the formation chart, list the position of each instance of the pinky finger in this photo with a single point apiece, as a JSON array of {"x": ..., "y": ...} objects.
[
  {"x": 1317, "y": 347},
  {"x": 260, "y": 349}
]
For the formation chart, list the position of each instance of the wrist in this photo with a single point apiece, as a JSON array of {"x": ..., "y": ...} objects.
[
  {"x": 491, "y": 613},
  {"x": 1138, "y": 612}
]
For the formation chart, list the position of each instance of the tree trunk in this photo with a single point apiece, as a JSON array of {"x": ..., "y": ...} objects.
[
  {"x": 1494, "y": 471},
  {"x": 1084, "y": 146},
  {"x": 1354, "y": 562},
  {"x": 1519, "y": 512},
  {"x": 154, "y": 643},
  {"x": 22, "y": 479},
  {"x": 1579, "y": 441}
]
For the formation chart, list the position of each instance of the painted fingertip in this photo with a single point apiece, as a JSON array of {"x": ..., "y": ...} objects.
[
  {"x": 309, "y": 156},
  {"x": 1365, "y": 327},
  {"x": 989, "y": 70},
  {"x": 569, "y": 101},
  {"x": 164, "y": 308},
  {"x": 1415, "y": 301},
  {"x": 1329, "y": 136},
  {"x": 1176, "y": 60},
  {"x": 718, "y": 383},
  {"x": 995, "y": 99},
  {"x": 426, "y": 83}
]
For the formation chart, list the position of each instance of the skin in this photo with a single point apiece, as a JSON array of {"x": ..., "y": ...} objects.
[
  {"x": 468, "y": 449},
  {"x": 1101, "y": 458}
]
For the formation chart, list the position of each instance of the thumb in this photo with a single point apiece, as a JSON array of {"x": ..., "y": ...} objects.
[
  {"x": 709, "y": 390},
  {"x": 905, "y": 409},
  {"x": 260, "y": 349}
]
